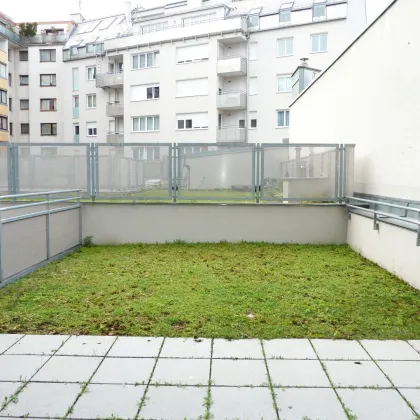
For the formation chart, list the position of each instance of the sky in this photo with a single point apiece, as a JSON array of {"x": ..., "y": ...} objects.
[{"x": 47, "y": 10}]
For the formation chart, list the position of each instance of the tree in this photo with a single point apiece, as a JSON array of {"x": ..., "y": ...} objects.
[{"x": 28, "y": 29}]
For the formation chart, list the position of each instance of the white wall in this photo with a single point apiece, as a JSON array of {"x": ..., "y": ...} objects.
[
  {"x": 159, "y": 223},
  {"x": 391, "y": 247},
  {"x": 370, "y": 97}
]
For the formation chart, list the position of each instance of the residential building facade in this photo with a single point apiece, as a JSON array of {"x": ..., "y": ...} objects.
[{"x": 192, "y": 71}]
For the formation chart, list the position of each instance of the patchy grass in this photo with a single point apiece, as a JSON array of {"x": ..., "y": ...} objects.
[{"x": 213, "y": 290}]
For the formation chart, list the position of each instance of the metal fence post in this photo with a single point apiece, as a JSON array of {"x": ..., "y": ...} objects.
[
  {"x": 337, "y": 168},
  {"x": 10, "y": 177},
  {"x": 1, "y": 247},
  {"x": 48, "y": 228},
  {"x": 88, "y": 169},
  {"x": 257, "y": 187},
  {"x": 80, "y": 221}
]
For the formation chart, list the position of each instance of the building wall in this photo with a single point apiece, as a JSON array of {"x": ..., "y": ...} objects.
[
  {"x": 4, "y": 109},
  {"x": 166, "y": 223},
  {"x": 391, "y": 247},
  {"x": 369, "y": 97}
]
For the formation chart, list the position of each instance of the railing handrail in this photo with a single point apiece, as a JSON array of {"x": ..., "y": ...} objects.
[
  {"x": 110, "y": 133},
  {"x": 397, "y": 206},
  {"x": 219, "y": 127},
  {"x": 111, "y": 73},
  {"x": 38, "y": 203},
  {"x": 115, "y": 103},
  {"x": 232, "y": 56},
  {"x": 38, "y": 194}
]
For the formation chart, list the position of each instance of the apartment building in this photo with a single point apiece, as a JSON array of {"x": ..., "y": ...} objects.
[{"x": 193, "y": 71}]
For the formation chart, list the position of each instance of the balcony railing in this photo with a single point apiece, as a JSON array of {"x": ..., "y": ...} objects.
[
  {"x": 232, "y": 66},
  {"x": 74, "y": 53},
  {"x": 115, "y": 109},
  {"x": 115, "y": 137},
  {"x": 76, "y": 138},
  {"x": 76, "y": 112},
  {"x": 231, "y": 134},
  {"x": 44, "y": 39},
  {"x": 9, "y": 34},
  {"x": 110, "y": 80},
  {"x": 231, "y": 100}
]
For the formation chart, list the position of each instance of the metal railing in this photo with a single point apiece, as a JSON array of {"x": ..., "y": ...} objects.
[
  {"x": 44, "y": 39},
  {"x": 371, "y": 207},
  {"x": 13, "y": 36},
  {"x": 109, "y": 79},
  {"x": 231, "y": 134},
  {"x": 39, "y": 228},
  {"x": 284, "y": 173}
]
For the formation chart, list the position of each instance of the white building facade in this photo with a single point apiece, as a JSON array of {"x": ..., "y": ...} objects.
[{"x": 196, "y": 71}]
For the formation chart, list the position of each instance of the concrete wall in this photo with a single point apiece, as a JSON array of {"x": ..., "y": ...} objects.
[
  {"x": 131, "y": 223},
  {"x": 369, "y": 97},
  {"x": 391, "y": 247}
]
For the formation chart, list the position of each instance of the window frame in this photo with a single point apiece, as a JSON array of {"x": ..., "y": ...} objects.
[
  {"x": 154, "y": 55},
  {"x": 3, "y": 96},
  {"x": 285, "y": 46},
  {"x": 92, "y": 97},
  {"x": 52, "y": 125},
  {"x": 286, "y": 118},
  {"x": 52, "y": 77},
  {"x": 145, "y": 120},
  {"x": 94, "y": 129},
  {"x": 25, "y": 125},
  {"x": 20, "y": 104},
  {"x": 94, "y": 73},
  {"x": 52, "y": 52},
  {"x": 288, "y": 81},
  {"x": 154, "y": 89},
  {"x": 288, "y": 12},
  {"x": 319, "y": 34},
  {"x": 22, "y": 52},
  {"x": 187, "y": 123},
  {"x": 4, "y": 122},
  {"x": 20, "y": 79},
  {"x": 317, "y": 6},
  {"x": 53, "y": 102},
  {"x": 3, "y": 66}
]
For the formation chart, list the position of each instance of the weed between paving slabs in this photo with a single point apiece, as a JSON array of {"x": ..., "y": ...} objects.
[{"x": 246, "y": 290}]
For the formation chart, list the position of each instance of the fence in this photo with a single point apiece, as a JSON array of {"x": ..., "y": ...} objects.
[
  {"x": 181, "y": 172},
  {"x": 37, "y": 228}
]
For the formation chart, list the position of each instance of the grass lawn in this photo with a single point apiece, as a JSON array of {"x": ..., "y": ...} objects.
[{"x": 213, "y": 290}]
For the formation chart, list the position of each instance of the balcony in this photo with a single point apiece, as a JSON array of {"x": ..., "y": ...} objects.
[
  {"x": 76, "y": 53},
  {"x": 44, "y": 39},
  {"x": 76, "y": 138},
  {"x": 115, "y": 109},
  {"x": 232, "y": 66},
  {"x": 115, "y": 80},
  {"x": 231, "y": 100},
  {"x": 115, "y": 137},
  {"x": 76, "y": 112},
  {"x": 231, "y": 134},
  {"x": 7, "y": 33}
]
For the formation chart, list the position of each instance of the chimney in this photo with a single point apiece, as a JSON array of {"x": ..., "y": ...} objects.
[{"x": 128, "y": 14}]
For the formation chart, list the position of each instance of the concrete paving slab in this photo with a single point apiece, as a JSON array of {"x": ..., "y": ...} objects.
[
  {"x": 83, "y": 345},
  {"x": 340, "y": 350},
  {"x": 187, "y": 348},
  {"x": 239, "y": 372},
  {"x": 402, "y": 374},
  {"x": 182, "y": 372},
  {"x": 136, "y": 347},
  {"x": 237, "y": 349},
  {"x": 390, "y": 350},
  {"x": 7, "y": 340},
  {"x": 293, "y": 348},
  {"x": 38, "y": 344},
  {"x": 19, "y": 368}
]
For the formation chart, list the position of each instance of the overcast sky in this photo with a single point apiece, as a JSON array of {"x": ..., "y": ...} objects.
[{"x": 45, "y": 10}]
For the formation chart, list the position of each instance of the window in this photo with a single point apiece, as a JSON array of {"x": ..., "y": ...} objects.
[
  {"x": 24, "y": 80},
  {"x": 91, "y": 73},
  {"x": 194, "y": 121},
  {"x": 48, "y": 80},
  {"x": 283, "y": 118},
  {"x": 192, "y": 53},
  {"x": 319, "y": 11},
  {"x": 253, "y": 51},
  {"x": 284, "y": 47},
  {"x": 90, "y": 48},
  {"x": 48, "y": 104},
  {"x": 3, "y": 123},
  {"x": 73, "y": 51},
  {"x": 3, "y": 97},
  {"x": 91, "y": 129},
  {"x": 144, "y": 92},
  {"x": 11, "y": 129},
  {"x": 253, "y": 85},
  {"x": 24, "y": 104},
  {"x": 319, "y": 42},
  {"x": 143, "y": 61},
  {"x": 24, "y": 129},
  {"x": 9, "y": 55},
  {"x": 150, "y": 123},
  {"x": 23, "y": 55},
  {"x": 75, "y": 78},
  {"x": 48, "y": 129},
  {"x": 198, "y": 19},
  {"x": 253, "y": 119},
  {"x": 10, "y": 79},
  {"x": 285, "y": 15},
  {"x": 91, "y": 101},
  {"x": 154, "y": 27},
  {"x": 47, "y": 56},
  {"x": 284, "y": 84},
  {"x": 146, "y": 153},
  {"x": 3, "y": 70},
  {"x": 10, "y": 104},
  {"x": 192, "y": 87},
  {"x": 241, "y": 123}
]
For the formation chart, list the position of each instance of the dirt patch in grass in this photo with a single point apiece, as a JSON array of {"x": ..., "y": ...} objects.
[{"x": 209, "y": 290}]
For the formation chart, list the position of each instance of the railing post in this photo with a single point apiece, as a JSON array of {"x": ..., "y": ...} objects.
[
  {"x": 257, "y": 177},
  {"x": 80, "y": 219},
  {"x": 418, "y": 229},
  {"x": 375, "y": 218},
  {"x": 48, "y": 228}
]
